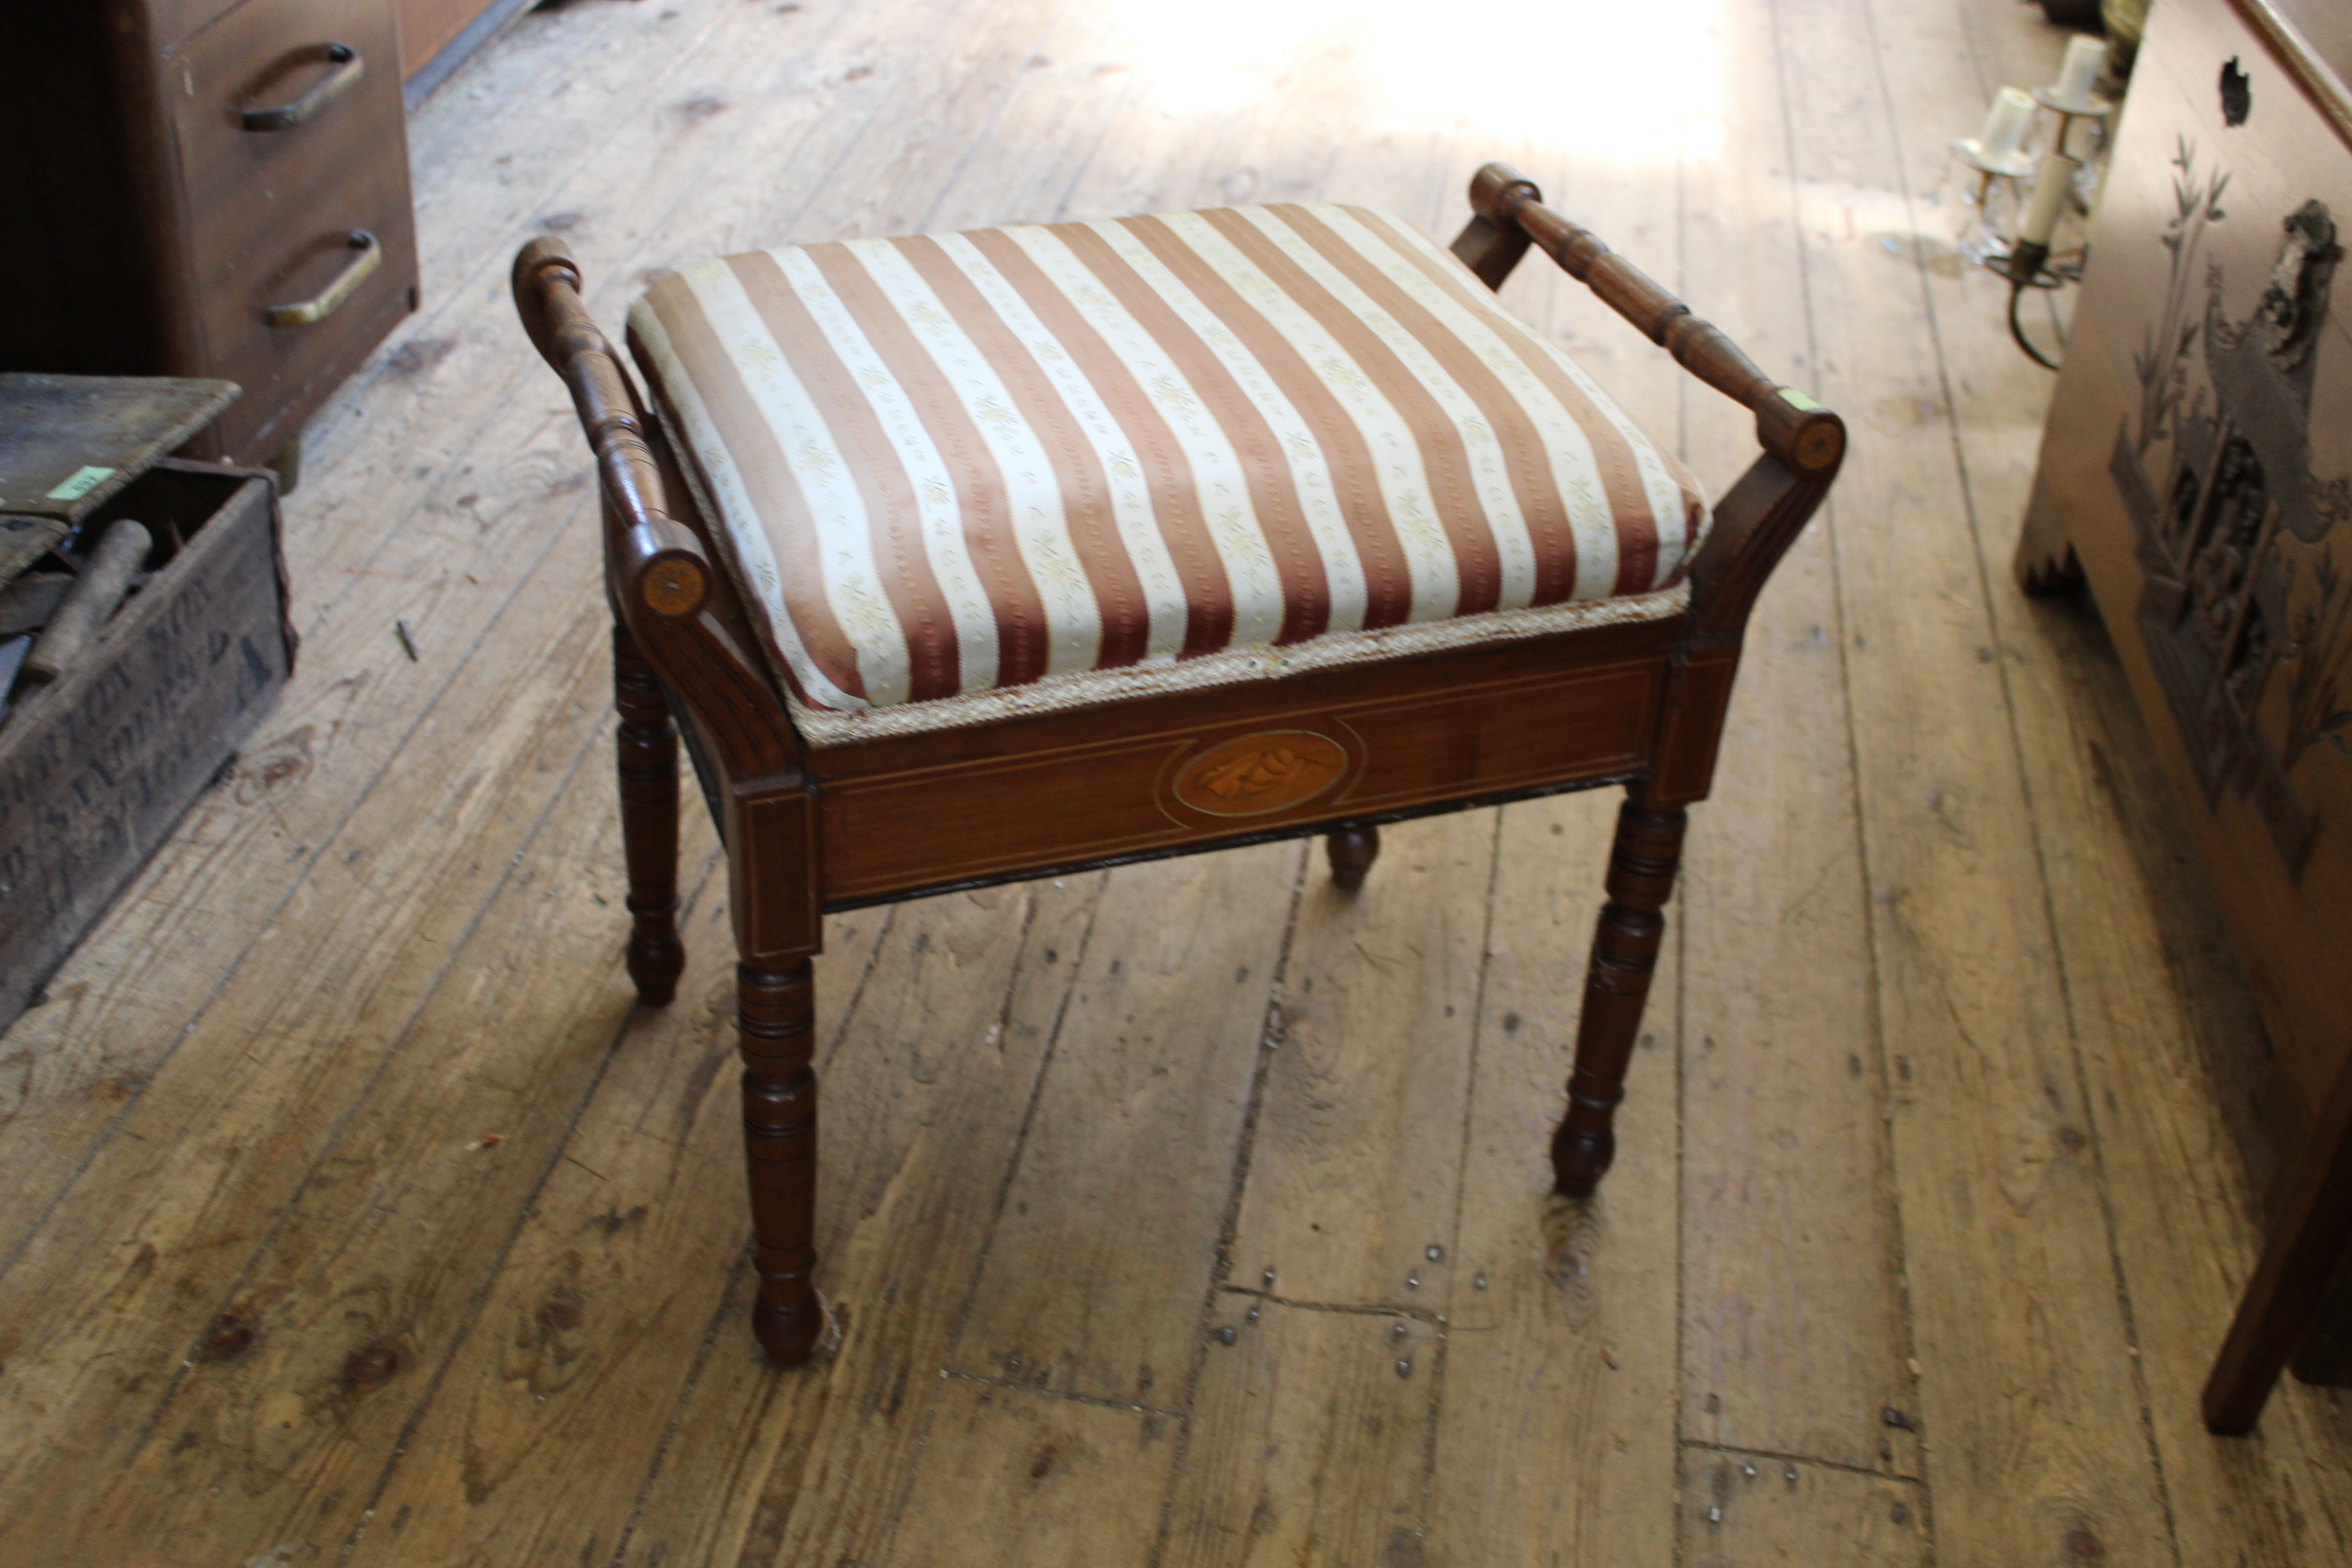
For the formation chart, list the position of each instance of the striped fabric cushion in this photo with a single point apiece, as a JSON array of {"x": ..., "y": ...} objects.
[{"x": 1034, "y": 466}]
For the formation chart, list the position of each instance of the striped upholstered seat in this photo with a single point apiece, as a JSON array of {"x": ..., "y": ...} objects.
[{"x": 977, "y": 475}]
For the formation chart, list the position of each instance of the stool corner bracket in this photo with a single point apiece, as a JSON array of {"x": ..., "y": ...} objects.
[
  {"x": 1807, "y": 438},
  {"x": 1497, "y": 189},
  {"x": 1755, "y": 523},
  {"x": 1491, "y": 244}
]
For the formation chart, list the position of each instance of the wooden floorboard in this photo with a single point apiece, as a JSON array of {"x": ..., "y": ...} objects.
[
  {"x": 2029, "y": 1405},
  {"x": 1794, "y": 1339},
  {"x": 1743, "y": 1510},
  {"x": 1307, "y": 1439},
  {"x": 1121, "y": 1176},
  {"x": 1563, "y": 1326},
  {"x": 1192, "y": 1213}
]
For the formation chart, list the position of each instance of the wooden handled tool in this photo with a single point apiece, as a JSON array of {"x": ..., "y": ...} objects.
[
  {"x": 27, "y": 605},
  {"x": 25, "y": 540},
  {"x": 80, "y": 619}
]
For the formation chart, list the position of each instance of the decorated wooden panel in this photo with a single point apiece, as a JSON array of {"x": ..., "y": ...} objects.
[
  {"x": 1249, "y": 774},
  {"x": 2199, "y": 458}
]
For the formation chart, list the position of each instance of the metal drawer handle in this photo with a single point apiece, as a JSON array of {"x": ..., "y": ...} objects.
[
  {"x": 286, "y": 115},
  {"x": 366, "y": 257}
]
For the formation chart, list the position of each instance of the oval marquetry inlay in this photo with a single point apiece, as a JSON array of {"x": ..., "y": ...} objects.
[{"x": 1254, "y": 774}]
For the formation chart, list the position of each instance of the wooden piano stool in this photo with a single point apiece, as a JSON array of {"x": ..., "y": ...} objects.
[{"x": 993, "y": 557}]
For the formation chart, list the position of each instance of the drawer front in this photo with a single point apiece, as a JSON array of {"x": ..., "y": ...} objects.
[
  {"x": 171, "y": 21},
  {"x": 428, "y": 27},
  {"x": 292, "y": 141}
]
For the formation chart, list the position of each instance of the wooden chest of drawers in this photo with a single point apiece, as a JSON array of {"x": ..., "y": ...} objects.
[
  {"x": 2198, "y": 460},
  {"x": 205, "y": 188}
]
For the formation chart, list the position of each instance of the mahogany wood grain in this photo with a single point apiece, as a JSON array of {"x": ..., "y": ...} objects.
[
  {"x": 810, "y": 829},
  {"x": 1648, "y": 644},
  {"x": 1088, "y": 798},
  {"x": 915, "y": 1142},
  {"x": 2310, "y": 1233},
  {"x": 1353, "y": 850},
  {"x": 1616, "y": 985},
  {"x": 648, "y": 775},
  {"x": 777, "y": 1011},
  {"x": 1789, "y": 424},
  {"x": 662, "y": 564},
  {"x": 1490, "y": 244},
  {"x": 1563, "y": 1314}
]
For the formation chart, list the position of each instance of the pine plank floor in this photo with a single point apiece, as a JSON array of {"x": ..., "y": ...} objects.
[{"x": 1191, "y": 1213}]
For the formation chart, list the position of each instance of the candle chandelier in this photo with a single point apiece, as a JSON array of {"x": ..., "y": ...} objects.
[{"x": 2007, "y": 180}]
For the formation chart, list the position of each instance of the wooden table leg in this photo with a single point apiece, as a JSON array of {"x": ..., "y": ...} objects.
[{"x": 2307, "y": 1242}]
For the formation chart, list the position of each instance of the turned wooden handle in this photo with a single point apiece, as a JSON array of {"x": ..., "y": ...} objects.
[
  {"x": 659, "y": 560},
  {"x": 1805, "y": 436},
  {"x": 81, "y": 616}
]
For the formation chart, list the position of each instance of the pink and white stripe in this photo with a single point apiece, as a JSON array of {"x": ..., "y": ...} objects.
[{"x": 947, "y": 467}]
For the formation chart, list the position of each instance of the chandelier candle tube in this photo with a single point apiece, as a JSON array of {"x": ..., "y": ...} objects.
[
  {"x": 2004, "y": 125},
  {"x": 1999, "y": 147},
  {"x": 2051, "y": 186},
  {"x": 2086, "y": 59}
]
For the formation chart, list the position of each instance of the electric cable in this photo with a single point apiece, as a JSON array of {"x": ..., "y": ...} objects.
[{"x": 2024, "y": 265}]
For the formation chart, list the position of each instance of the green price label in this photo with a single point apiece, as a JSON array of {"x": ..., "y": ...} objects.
[{"x": 83, "y": 480}]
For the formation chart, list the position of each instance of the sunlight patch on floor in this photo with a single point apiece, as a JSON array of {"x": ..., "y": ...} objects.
[{"x": 1608, "y": 82}]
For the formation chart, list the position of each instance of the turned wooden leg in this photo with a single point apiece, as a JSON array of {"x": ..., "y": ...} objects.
[
  {"x": 1353, "y": 850},
  {"x": 648, "y": 746},
  {"x": 777, "y": 1010},
  {"x": 1624, "y": 951}
]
